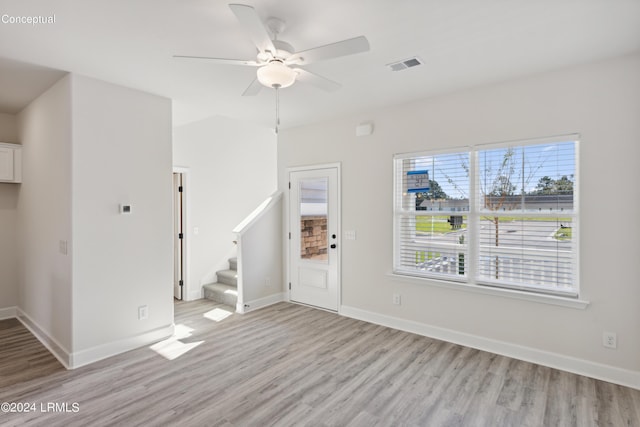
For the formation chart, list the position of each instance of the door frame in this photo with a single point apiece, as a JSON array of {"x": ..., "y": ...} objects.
[
  {"x": 186, "y": 241},
  {"x": 287, "y": 239}
]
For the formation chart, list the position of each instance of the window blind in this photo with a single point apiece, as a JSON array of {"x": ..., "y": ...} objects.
[
  {"x": 527, "y": 217},
  {"x": 431, "y": 212},
  {"x": 503, "y": 215}
]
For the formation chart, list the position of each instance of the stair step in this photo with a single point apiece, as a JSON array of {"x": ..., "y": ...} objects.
[
  {"x": 228, "y": 277},
  {"x": 222, "y": 293},
  {"x": 233, "y": 263}
]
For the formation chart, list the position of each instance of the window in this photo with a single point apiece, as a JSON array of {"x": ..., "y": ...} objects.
[{"x": 496, "y": 215}]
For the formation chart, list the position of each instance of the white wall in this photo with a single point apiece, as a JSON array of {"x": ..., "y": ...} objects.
[
  {"x": 44, "y": 213},
  {"x": 121, "y": 154},
  {"x": 260, "y": 256},
  {"x": 232, "y": 169},
  {"x": 87, "y": 147},
  {"x": 601, "y": 102},
  {"x": 8, "y": 223}
]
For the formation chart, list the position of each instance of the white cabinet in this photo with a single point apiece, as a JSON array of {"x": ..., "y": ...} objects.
[{"x": 10, "y": 162}]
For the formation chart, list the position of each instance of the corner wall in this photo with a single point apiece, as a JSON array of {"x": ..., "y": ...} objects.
[
  {"x": 232, "y": 169},
  {"x": 260, "y": 257},
  {"x": 121, "y": 154},
  {"x": 8, "y": 224},
  {"x": 44, "y": 216},
  {"x": 599, "y": 101},
  {"x": 84, "y": 269}
]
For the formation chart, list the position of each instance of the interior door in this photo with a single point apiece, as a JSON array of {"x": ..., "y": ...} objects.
[
  {"x": 178, "y": 239},
  {"x": 314, "y": 244}
]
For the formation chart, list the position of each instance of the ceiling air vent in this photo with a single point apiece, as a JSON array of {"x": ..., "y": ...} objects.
[{"x": 405, "y": 63}]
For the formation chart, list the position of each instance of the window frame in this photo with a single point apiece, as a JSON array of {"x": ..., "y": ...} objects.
[{"x": 476, "y": 211}]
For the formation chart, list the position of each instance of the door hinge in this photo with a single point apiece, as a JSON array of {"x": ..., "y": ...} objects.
[
  {"x": 289, "y": 186},
  {"x": 181, "y": 283},
  {"x": 289, "y": 235},
  {"x": 180, "y": 189},
  {"x": 180, "y": 236},
  {"x": 289, "y": 285}
]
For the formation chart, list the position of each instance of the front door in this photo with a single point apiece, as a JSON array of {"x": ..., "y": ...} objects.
[{"x": 314, "y": 245}]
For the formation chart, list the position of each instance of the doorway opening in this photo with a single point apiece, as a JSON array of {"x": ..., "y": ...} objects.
[{"x": 178, "y": 235}]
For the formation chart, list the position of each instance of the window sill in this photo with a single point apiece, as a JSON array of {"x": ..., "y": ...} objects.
[{"x": 505, "y": 293}]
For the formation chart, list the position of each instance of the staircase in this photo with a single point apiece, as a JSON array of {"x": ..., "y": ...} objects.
[{"x": 225, "y": 290}]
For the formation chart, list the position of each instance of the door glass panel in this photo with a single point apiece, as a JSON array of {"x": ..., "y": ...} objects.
[{"x": 313, "y": 219}]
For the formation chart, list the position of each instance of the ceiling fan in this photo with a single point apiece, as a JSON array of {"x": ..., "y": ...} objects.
[{"x": 279, "y": 65}]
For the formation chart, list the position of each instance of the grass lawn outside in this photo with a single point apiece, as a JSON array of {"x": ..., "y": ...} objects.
[
  {"x": 563, "y": 233},
  {"x": 435, "y": 224},
  {"x": 438, "y": 224}
]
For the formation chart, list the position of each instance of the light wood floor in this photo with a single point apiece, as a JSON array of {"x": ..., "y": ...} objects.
[{"x": 293, "y": 365}]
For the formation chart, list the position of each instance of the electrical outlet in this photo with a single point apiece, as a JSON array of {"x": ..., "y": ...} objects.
[
  {"x": 397, "y": 299},
  {"x": 143, "y": 312},
  {"x": 609, "y": 340}
]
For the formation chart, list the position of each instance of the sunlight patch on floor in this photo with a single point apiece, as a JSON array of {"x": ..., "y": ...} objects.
[
  {"x": 172, "y": 347},
  {"x": 217, "y": 314},
  {"x": 181, "y": 331}
]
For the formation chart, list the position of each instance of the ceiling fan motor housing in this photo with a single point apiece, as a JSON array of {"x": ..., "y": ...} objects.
[{"x": 283, "y": 51}]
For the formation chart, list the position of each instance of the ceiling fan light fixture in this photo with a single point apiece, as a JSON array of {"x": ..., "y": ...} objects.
[{"x": 276, "y": 75}]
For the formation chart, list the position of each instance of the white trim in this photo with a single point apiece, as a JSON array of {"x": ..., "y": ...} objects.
[
  {"x": 8, "y": 313},
  {"x": 195, "y": 295},
  {"x": 103, "y": 351},
  {"x": 262, "y": 302},
  {"x": 75, "y": 360},
  {"x": 188, "y": 294},
  {"x": 258, "y": 212},
  {"x": 240, "y": 308},
  {"x": 58, "y": 350},
  {"x": 337, "y": 165},
  {"x": 574, "y": 365},
  {"x": 549, "y": 139},
  {"x": 494, "y": 291}
]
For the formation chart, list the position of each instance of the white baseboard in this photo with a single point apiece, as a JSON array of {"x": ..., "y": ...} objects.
[
  {"x": 94, "y": 354},
  {"x": 262, "y": 302},
  {"x": 553, "y": 360},
  {"x": 194, "y": 295},
  {"x": 8, "y": 313},
  {"x": 81, "y": 358},
  {"x": 58, "y": 350}
]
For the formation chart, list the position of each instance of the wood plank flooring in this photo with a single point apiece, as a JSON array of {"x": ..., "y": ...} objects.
[{"x": 290, "y": 365}]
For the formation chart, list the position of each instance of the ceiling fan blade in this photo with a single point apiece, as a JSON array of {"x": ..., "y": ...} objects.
[
  {"x": 323, "y": 83},
  {"x": 333, "y": 50},
  {"x": 259, "y": 34},
  {"x": 253, "y": 89},
  {"x": 223, "y": 61}
]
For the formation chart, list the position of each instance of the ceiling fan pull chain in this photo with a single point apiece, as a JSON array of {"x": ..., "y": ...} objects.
[{"x": 277, "y": 108}]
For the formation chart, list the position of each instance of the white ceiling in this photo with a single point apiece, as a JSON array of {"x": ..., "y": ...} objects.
[{"x": 463, "y": 43}]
